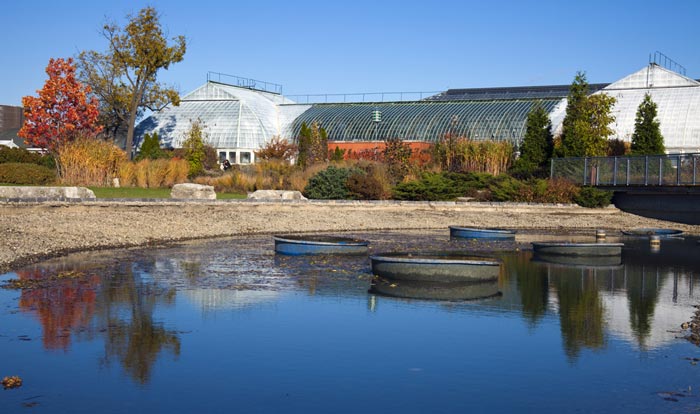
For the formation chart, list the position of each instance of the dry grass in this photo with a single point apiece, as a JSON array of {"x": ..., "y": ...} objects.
[{"x": 89, "y": 162}]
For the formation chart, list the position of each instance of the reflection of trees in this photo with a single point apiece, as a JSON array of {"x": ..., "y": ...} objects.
[
  {"x": 580, "y": 311},
  {"x": 642, "y": 295},
  {"x": 533, "y": 285},
  {"x": 132, "y": 335},
  {"x": 63, "y": 305}
]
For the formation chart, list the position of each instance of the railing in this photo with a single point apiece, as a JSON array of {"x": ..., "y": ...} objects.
[
  {"x": 650, "y": 170},
  {"x": 360, "y": 97},
  {"x": 242, "y": 82}
]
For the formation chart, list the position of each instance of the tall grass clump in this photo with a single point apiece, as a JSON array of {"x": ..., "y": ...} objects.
[
  {"x": 459, "y": 154},
  {"x": 141, "y": 173},
  {"x": 176, "y": 172},
  {"x": 156, "y": 173},
  {"x": 89, "y": 162},
  {"x": 127, "y": 174}
]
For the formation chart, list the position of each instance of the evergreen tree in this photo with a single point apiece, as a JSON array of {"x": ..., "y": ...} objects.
[
  {"x": 303, "y": 142},
  {"x": 150, "y": 148},
  {"x": 538, "y": 144},
  {"x": 195, "y": 153},
  {"x": 313, "y": 145},
  {"x": 571, "y": 146},
  {"x": 586, "y": 126},
  {"x": 647, "y": 138}
]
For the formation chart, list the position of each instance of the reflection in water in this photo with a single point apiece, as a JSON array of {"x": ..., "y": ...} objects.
[
  {"x": 580, "y": 311},
  {"x": 455, "y": 291},
  {"x": 622, "y": 299},
  {"x": 62, "y": 306},
  {"x": 637, "y": 300},
  {"x": 533, "y": 285},
  {"x": 113, "y": 303},
  {"x": 132, "y": 336},
  {"x": 643, "y": 286}
]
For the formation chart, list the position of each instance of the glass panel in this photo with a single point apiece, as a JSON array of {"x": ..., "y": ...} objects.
[{"x": 245, "y": 157}]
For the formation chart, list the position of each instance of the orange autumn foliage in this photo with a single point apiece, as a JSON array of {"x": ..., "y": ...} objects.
[{"x": 62, "y": 111}]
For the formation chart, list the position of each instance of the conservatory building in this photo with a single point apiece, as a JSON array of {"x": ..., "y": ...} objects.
[{"x": 243, "y": 116}]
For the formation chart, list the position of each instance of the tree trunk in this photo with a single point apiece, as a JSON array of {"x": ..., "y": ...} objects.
[{"x": 129, "y": 144}]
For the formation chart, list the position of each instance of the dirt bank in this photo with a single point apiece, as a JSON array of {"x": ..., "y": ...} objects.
[{"x": 32, "y": 231}]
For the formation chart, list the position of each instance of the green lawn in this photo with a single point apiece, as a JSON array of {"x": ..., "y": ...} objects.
[{"x": 134, "y": 192}]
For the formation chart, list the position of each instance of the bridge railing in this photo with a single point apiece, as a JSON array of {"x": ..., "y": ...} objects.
[{"x": 650, "y": 170}]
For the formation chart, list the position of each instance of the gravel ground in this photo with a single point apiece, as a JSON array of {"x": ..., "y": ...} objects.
[{"x": 34, "y": 231}]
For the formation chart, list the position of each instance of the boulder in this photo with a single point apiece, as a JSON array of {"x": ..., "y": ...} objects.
[
  {"x": 48, "y": 193},
  {"x": 276, "y": 195},
  {"x": 193, "y": 191}
]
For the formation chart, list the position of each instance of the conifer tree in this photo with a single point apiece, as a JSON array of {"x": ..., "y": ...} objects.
[
  {"x": 586, "y": 126},
  {"x": 647, "y": 138},
  {"x": 194, "y": 147},
  {"x": 313, "y": 145},
  {"x": 150, "y": 148},
  {"x": 571, "y": 146},
  {"x": 538, "y": 143}
]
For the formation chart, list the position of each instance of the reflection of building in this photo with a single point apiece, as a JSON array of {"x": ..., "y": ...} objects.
[
  {"x": 666, "y": 317},
  {"x": 218, "y": 299},
  {"x": 243, "y": 116}
]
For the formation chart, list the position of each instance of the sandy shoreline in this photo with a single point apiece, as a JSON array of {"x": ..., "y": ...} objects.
[{"x": 34, "y": 231}]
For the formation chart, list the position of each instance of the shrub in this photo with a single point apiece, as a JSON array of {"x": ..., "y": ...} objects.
[
  {"x": 367, "y": 185},
  {"x": 277, "y": 149},
  {"x": 26, "y": 174},
  {"x": 329, "y": 184},
  {"x": 592, "y": 197},
  {"x": 433, "y": 187},
  {"x": 22, "y": 156},
  {"x": 397, "y": 156},
  {"x": 298, "y": 179},
  {"x": 549, "y": 191}
]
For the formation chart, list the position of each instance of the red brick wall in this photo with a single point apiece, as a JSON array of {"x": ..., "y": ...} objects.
[{"x": 372, "y": 149}]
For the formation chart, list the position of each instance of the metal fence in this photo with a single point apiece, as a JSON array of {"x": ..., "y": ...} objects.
[
  {"x": 650, "y": 170},
  {"x": 361, "y": 97}
]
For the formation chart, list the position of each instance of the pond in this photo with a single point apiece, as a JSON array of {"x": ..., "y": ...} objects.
[{"x": 228, "y": 326}]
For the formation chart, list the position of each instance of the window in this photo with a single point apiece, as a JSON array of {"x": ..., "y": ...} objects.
[
  {"x": 245, "y": 158},
  {"x": 232, "y": 157}
]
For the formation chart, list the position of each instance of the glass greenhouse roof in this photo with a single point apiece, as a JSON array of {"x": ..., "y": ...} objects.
[
  {"x": 515, "y": 92},
  {"x": 422, "y": 121},
  {"x": 676, "y": 96},
  {"x": 238, "y": 117},
  {"x": 233, "y": 117}
]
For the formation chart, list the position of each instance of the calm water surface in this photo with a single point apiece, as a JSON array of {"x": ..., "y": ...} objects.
[{"x": 227, "y": 326}]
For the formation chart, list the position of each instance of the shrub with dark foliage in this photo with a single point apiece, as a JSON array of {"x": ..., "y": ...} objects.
[
  {"x": 26, "y": 174},
  {"x": 329, "y": 184},
  {"x": 592, "y": 197},
  {"x": 21, "y": 155}
]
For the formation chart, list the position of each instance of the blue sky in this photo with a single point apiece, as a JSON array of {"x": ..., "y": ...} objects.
[{"x": 364, "y": 45}]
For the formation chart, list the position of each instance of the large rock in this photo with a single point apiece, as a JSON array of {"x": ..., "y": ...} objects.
[
  {"x": 276, "y": 195},
  {"x": 193, "y": 191},
  {"x": 48, "y": 193}
]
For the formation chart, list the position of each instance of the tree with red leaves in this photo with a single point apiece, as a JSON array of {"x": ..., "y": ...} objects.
[{"x": 62, "y": 111}]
